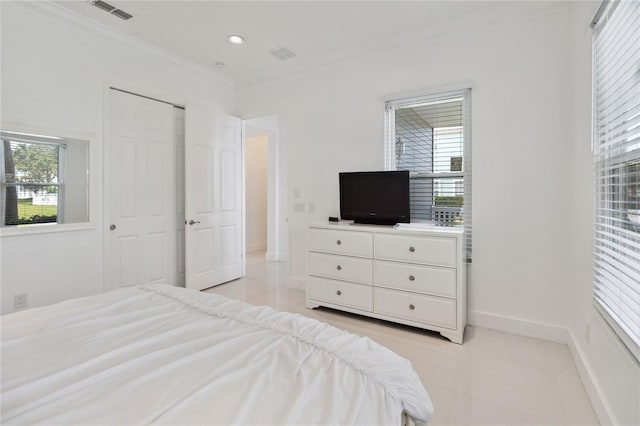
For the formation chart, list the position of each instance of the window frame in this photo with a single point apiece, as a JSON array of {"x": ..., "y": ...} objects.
[
  {"x": 16, "y": 132},
  {"x": 390, "y": 160},
  {"x": 35, "y": 140},
  {"x": 607, "y": 164}
]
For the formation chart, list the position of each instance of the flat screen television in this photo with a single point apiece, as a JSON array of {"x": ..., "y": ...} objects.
[{"x": 380, "y": 198}]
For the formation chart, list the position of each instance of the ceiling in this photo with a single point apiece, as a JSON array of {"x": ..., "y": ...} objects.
[{"x": 320, "y": 33}]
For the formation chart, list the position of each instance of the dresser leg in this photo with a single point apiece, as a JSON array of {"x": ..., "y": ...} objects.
[
  {"x": 454, "y": 337},
  {"x": 311, "y": 305}
]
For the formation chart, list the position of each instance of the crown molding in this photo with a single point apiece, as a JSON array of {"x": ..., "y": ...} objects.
[{"x": 55, "y": 13}]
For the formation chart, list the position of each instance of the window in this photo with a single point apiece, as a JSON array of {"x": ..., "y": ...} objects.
[
  {"x": 616, "y": 148},
  {"x": 430, "y": 137},
  {"x": 33, "y": 188}
]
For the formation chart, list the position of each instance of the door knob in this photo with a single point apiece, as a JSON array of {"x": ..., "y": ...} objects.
[
  {"x": 112, "y": 227},
  {"x": 193, "y": 222}
]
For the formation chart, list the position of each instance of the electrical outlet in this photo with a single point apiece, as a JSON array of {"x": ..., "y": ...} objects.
[
  {"x": 296, "y": 193},
  {"x": 298, "y": 207},
  {"x": 20, "y": 301}
]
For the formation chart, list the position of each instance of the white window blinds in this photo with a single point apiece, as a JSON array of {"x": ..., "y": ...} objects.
[
  {"x": 430, "y": 137},
  {"x": 616, "y": 147}
]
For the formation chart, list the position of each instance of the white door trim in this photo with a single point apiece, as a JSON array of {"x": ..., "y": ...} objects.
[
  {"x": 277, "y": 232},
  {"x": 243, "y": 195}
]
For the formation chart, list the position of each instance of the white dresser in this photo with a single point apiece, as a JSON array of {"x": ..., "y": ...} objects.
[{"x": 413, "y": 277}]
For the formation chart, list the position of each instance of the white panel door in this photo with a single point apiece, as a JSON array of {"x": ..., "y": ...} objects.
[
  {"x": 213, "y": 202},
  {"x": 141, "y": 214}
]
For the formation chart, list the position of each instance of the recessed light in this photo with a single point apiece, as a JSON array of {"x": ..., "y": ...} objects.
[{"x": 236, "y": 39}]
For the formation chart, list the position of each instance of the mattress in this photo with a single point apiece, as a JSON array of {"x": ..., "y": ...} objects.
[{"x": 167, "y": 355}]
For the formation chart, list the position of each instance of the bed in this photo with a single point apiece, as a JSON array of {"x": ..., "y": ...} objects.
[{"x": 167, "y": 355}]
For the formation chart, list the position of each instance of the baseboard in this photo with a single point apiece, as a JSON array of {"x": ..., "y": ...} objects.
[
  {"x": 538, "y": 330},
  {"x": 296, "y": 283},
  {"x": 276, "y": 257},
  {"x": 592, "y": 388},
  {"x": 256, "y": 247}
]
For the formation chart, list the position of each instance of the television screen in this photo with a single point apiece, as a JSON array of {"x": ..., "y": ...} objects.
[{"x": 375, "y": 197}]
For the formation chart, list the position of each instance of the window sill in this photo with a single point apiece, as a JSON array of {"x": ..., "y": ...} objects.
[{"x": 45, "y": 229}]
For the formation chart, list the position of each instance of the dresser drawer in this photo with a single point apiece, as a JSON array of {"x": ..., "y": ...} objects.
[
  {"x": 341, "y": 267},
  {"x": 341, "y": 242},
  {"x": 431, "y": 280},
  {"x": 415, "y": 307},
  {"x": 439, "y": 251},
  {"x": 341, "y": 293}
]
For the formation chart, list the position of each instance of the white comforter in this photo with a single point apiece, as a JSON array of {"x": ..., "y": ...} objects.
[{"x": 161, "y": 354}]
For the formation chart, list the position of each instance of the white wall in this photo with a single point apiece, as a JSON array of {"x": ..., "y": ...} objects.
[
  {"x": 518, "y": 66},
  {"x": 610, "y": 374},
  {"x": 54, "y": 72},
  {"x": 256, "y": 192}
]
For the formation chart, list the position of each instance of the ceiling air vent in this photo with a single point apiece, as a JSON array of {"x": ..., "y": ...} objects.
[
  {"x": 122, "y": 14},
  {"x": 103, "y": 5},
  {"x": 282, "y": 53}
]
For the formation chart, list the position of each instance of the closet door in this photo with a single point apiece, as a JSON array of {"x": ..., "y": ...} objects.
[
  {"x": 213, "y": 198},
  {"x": 141, "y": 192}
]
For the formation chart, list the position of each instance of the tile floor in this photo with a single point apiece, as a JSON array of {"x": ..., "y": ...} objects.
[{"x": 494, "y": 378}]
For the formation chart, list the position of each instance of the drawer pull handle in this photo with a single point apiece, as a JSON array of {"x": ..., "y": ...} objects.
[
  {"x": 412, "y": 307},
  {"x": 411, "y": 278},
  {"x": 339, "y": 268},
  {"x": 338, "y": 292},
  {"x": 411, "y": 249},
  {"x": 338, "y": 242}
]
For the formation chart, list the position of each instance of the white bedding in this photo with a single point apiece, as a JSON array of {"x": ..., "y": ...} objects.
[{"x": 161, "y": 354}]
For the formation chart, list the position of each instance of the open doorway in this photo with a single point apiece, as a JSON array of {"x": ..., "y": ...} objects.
[
  {"x": 266, "y": 229},
  {"x": 256, "y": 163}
]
